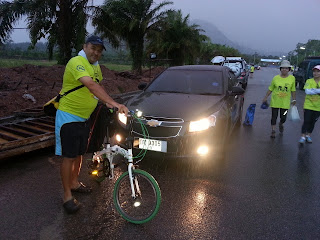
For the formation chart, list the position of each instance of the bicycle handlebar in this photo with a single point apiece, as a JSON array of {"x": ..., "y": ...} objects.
[{"x": 131, "y": 113}]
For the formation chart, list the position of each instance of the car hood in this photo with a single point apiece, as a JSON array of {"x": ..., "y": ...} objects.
[{"x": 175, "y": 105}]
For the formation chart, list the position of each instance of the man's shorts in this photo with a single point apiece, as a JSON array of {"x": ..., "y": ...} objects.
[
  {"x": 63, "y": 118},
  {"x": 74, "y": 138}
]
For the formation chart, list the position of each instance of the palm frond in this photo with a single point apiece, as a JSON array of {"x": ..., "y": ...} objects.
[{"x": 10, "y": 13}]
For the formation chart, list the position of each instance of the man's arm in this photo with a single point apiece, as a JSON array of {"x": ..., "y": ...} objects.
[
  {"x": 312, "y": 91},
  {"x": 108, "y": 105},
  {"x": 100, "y": 93},
  {"x": 267, "y": 95}
]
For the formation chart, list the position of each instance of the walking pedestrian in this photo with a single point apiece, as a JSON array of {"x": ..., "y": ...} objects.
[
  {"x": 282, "y": 88},
  {"x": 311, "y": 105},
  {"x": 251, "y": 71},
  {"x": 75, "y": 108}
]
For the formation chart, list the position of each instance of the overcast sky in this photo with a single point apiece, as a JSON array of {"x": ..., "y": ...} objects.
[{"x": 269, "y": 25}]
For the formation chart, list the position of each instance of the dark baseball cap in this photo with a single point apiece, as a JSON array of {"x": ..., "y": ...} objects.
[{"x": 95, "y": 40}]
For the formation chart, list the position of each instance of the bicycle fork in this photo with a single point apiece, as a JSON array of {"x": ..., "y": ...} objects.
[
  {"x": 110, "y": 152},
  {"x": 133, "y": 180}
]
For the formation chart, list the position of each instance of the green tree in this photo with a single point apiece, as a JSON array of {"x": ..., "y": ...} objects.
[
  {"x": 312, "y": 47},
  {"x": 129, "y": 21},
  {"x": 62, "y": 22},
  {"x": 210, "y": 50},
  {"x": 175, "y": 39},
  {"x": 207, "y": 52},
  {"x": 303, "y": 50}
]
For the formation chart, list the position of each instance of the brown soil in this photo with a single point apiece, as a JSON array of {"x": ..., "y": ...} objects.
[{"x": 32, "y": 86}]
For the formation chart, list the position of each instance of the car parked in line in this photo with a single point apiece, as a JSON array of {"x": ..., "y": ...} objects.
[
  {"x": 239, "y": 66},
  {"x": 188, "y": 111},
  {"x": 304, "y": 71}
]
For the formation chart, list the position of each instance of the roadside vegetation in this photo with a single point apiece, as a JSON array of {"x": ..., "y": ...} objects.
[
  {"x": 8, "y": 63},
  {"x": 117, "y": 67},
  {"x": 303, "y": 50},
  {"x": 133, "y": 30}
]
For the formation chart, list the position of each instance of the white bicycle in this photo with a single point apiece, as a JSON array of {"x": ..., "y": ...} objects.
[{"x": 136, "y": 193}]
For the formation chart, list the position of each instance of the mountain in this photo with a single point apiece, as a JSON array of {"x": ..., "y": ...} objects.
[{"x": 218, "y": 37}]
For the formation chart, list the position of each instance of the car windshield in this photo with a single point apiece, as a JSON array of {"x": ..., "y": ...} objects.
[
  {"x": 238, "y": 64},
  {"x": 189, "y": 82}
]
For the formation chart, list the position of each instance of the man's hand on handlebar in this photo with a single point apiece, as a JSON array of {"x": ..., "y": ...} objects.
[{"x": 123, "y": 109}]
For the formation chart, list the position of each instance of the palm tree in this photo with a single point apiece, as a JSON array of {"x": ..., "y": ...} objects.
[
  {"x": 62, "y": 22},
  {"x": 129, "y": 21},
  {"x": 177, "y": 40}
]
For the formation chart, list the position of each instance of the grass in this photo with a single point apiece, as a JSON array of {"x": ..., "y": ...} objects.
[
  {"x": 7, "y": 63},
  {"x": 117, "y": 67}
]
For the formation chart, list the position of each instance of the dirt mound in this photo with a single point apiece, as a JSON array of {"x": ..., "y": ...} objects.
[{"x": 32, "y": 86}]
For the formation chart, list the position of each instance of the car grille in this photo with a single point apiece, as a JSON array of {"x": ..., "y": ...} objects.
[
  {"x": 170, "y": 127},
  {"x": 164, "y": 119}
]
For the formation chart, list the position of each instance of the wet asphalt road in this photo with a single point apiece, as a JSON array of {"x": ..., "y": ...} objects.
[{"x": 263, "y": 189}]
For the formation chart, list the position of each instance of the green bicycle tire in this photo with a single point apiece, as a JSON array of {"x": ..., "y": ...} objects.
[{"x": 124, "y": 180}]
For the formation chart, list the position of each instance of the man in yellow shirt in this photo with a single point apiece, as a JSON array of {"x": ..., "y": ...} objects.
[
  {"x": 71, "y": 128},
  {"x": 311, "y": 105}
]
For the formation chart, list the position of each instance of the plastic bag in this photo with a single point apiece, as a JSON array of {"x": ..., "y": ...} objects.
[
  {"x": 250, "y": 115},
  {"x": 294, "y": 114}
]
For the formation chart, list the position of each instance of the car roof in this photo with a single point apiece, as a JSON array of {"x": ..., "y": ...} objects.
[{"x": 215, "y": 68}]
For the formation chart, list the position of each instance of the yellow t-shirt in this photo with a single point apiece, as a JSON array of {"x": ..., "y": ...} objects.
[
  {"x": 80, "y": 102},
  {"x": 281, "y": 91},
  {"x": 252, "y": 69},
  {"x": 311, "y": 102}
]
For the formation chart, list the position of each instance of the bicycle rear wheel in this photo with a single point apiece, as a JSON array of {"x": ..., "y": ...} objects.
[{"x": 145, "y": 206}]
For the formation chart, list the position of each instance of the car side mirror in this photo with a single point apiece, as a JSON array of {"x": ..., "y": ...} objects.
[
  {"x": 236, "y": 90},
  {"x": 142, "y": 86}
]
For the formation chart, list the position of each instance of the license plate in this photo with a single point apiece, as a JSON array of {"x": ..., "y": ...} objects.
[{"x": 153, "y": 145}]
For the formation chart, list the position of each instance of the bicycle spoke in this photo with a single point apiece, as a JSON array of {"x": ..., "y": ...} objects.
[{"x": 144, "y": 206}]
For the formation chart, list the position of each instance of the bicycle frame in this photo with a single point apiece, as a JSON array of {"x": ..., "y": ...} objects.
[
  {"x": 111, "y": 151},
  {"x": 130, "y": 205}
]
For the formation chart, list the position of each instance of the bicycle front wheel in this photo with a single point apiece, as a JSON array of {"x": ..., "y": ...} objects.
[{"x": 145, "y": 205}]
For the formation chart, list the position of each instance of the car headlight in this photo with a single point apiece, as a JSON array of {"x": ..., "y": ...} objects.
[
  {"x": 202, "y": 124},
  {"x": 138, "y": 113},
  {"x": 122, "y": 118}
]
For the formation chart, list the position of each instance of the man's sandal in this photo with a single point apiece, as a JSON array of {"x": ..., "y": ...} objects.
[
  {"x": 71, "y": 206},
  {"x": 82, "y": 189}
]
